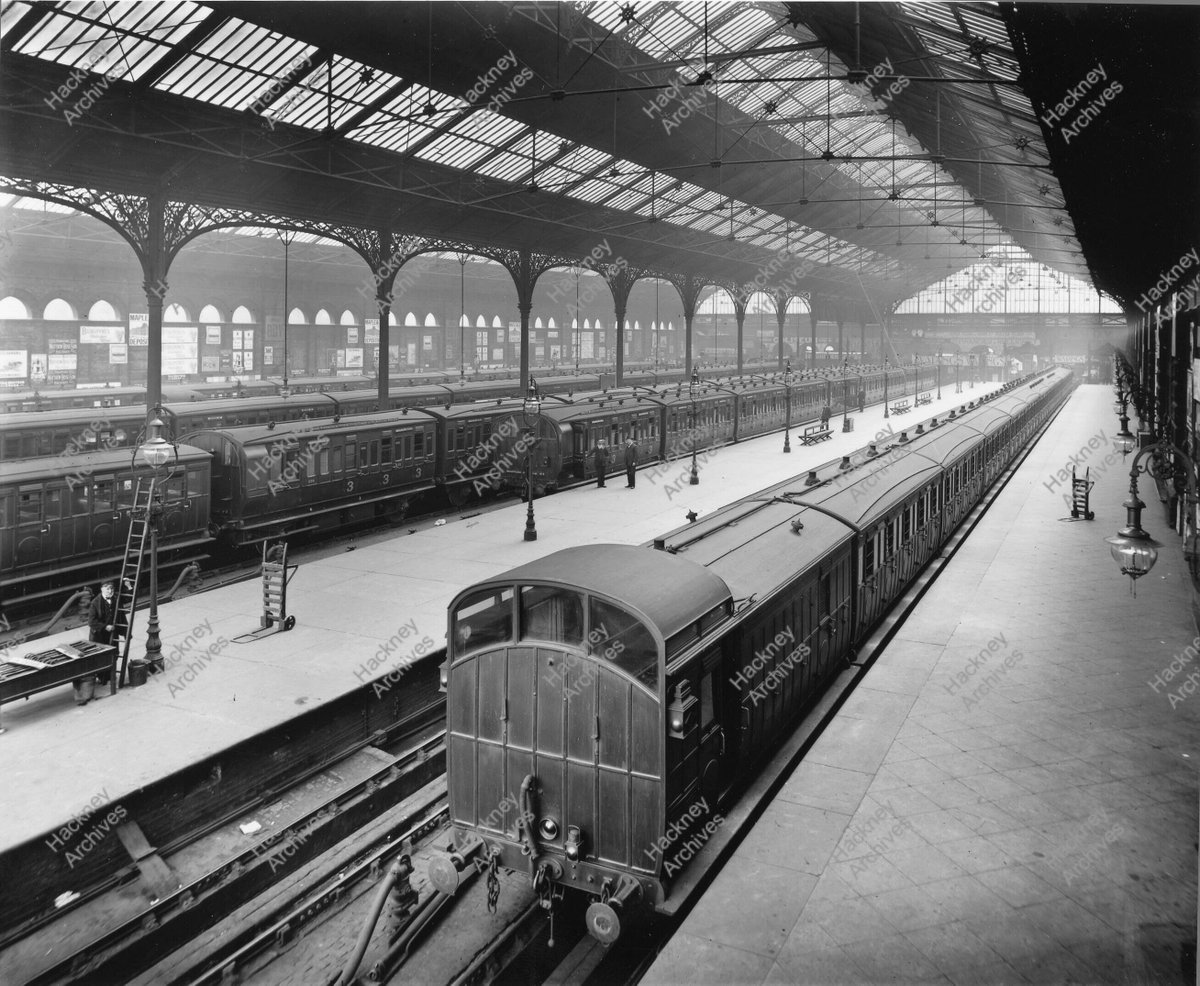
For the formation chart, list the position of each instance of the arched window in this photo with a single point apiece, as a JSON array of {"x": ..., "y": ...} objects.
[
  {"x": 322, "y": 318},
  {"x": 175, "y": 313},
  {"x": 297, "y": 317},
  {"x": 58, "y": 309},
  {"x": 587, "y": 323},
  {"x": 102, "y": 311},
  {"x": 627, "y": 325},
  {"x": 550, "y": 323},
  {"x": 392, "y": 319},
  {"x": 12, "y": 307},
  {"x": 410, "y": 319},
  {"x": 430, "y": 321},
  {"x": 598, "y": 324},
  {"x": 496, "y": 323},
  {"x": 209, "y": 313},
  {"x": 636, "y": 326},
  {"x": 574, "y": 324},
  {"x": 481, "y": 323},
  {"x": 242, "y": 316},
  {"x": 537, "y": 322},
  {"x": 464, "y": 321},
  {"x": 348, "y": 318}
]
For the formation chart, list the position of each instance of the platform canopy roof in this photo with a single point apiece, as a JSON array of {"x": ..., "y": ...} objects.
[{"x": 855, "y": 152}]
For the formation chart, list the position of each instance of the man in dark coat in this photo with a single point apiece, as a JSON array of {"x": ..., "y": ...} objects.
[
  {"x": 630, "y": 464},
  {"x": 601, "y": 462},
  {"x": 102, "y": 618}
]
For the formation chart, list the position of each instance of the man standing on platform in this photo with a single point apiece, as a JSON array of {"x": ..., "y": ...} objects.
[
  {"x": 601, "y": 462},
  {"x": 102, "y": 618},
  {"x": 630, "y": 464}
]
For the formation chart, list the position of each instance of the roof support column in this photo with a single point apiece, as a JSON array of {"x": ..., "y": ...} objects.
[
  {"x": 841, "y": 344},
  {"x": 741, "y": 298},
  {"x": 781, "y": 303},
  {"x": 689, "y": 287},
  {"x": 154, "y": 269},
  {"x": 620, "y": 279},
  {"x": 862, "y": 340},
  {"x": 812, "y": 315}
]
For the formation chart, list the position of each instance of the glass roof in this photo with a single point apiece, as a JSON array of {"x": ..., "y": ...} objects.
[{"x": 766, "y": 65}]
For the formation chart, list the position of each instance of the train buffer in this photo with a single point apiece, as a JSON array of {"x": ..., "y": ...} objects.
[
  {"x": 900, "y": 407},
  {"x": 276, "y": 574},
  {"x": 925, "y": 398},
  {"x": 815, "y": 433},
  {"x": 1081, "y": 494}
]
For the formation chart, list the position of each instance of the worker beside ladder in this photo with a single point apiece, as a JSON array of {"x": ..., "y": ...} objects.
[{"x": 131, "y": 572}]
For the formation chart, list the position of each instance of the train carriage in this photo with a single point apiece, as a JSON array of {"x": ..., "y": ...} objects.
[
  {"x": 18, "y": 401},
  {"x": 73, "y": 513},
  {"x": 536, "y": 658},
  {"x": 271, "y": 481},
  {"x": 742, "y": 621},
  {"x": 467, "y": 438}
]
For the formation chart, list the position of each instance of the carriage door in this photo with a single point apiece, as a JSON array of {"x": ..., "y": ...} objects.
[{"x": 717, "y": 707}]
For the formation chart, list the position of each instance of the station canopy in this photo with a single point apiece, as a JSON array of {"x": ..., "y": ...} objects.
[{"x": 855, "y": 152}]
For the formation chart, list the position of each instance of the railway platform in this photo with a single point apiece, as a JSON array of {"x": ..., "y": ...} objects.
[
  {"x": 1010, "y": 794},
  {"x": 361, "y": 609}
]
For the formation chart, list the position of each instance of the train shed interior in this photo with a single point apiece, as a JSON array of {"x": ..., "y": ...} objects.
[{"x": 410, "y": 273}]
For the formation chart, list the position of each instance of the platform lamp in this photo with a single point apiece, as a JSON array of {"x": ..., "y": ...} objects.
[
  {"x": 694, "y": 480},
  {"x": 886, "y": 412},
  {"x": 958, "y": 373},
  {"x": 1134, "y": 550},
  {"x": 788, "y": 380},
  {"x": 845, "y": 396},
  {"x": 1125, "y": 438},
  {"x": 939, "y": 375},
  {"x": 156, "y": 452},
  {"x": 531, "y": 409}
]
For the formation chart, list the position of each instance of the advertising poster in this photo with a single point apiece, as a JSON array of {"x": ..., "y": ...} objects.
[
  {"x": 371, "y": 331},
  {"x": 274, "y": 325},
  {"x": 226, "y": 357},
  {"x": 427, "y": 343},
  {"x": 497, "y": 355},
  {"x": 61, "y": 362},
  {"x": 37, "y": 368},
  {"x": 180, "y": 358},
  {"x": 12, "y": 363},
  {"x": 237, "y": 361},
  {"x": 269, "y": 355},
  {"x": 118, "y": 355},
  {"x": 514, "y": 332},
  {"x": 354, "y": 359},
  {"x": 247, "y": 360},
  {"x": 139, "y": 330},
  {"x": 237, "y": 339},
  {"x": 212, "y": 335},
  {"x": 247, "y": 338},
  {"x": 210, "y": 364},
  {"x": 352, "y": 335},
  {"x": 179, "y": 334},
  {"x": 103, "y": 335},
  {"x": 410, "y": 349}
]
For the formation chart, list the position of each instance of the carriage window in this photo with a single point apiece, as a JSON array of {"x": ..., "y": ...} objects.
[
  {"x": 374, "y": 453},
  {"x": 103, "y": 499},
  {"x": 387, "y": 449},
  {"x": 54, "y": 501},
  {"x": 195, "y": 482},
  {"x": 30, "y": 505},
  {"x": 869, "y": 554},
  {"x": 351, "y": 454},
  {"x": 419, "y": 444},
  {"x": 323, "y": 462},
  {"x": 483, "y": 618},
  {"x": 125, "y": 492},
  {"x": 7, "y": 511},
  {"x": 551, "y": 614},
  {"x": 620, "y": 637},
  {"x": 80, "y": 497},
  {"x": 363, "y": 453},
  {"x": 707, "y": 712},
  {"x": 889, "y": 539},
  {"x": 905, "y": 525},
  {"x": 337, "y": 459},
  {"x": 175, "y": 487}
]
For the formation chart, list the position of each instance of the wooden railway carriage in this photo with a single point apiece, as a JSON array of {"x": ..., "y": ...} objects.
[
  {"x": 466, "y": 442},
  {"x": 70, "y": 513},
  {"x": 605, "y": 703},
  {"x": 28, "y": 434},
  {"x": 309, "y": 475},
  {"x": 540, "y": 657}
]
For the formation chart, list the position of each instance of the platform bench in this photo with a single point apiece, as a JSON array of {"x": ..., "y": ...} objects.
[
  {"x": 900, "y": 407},
  {"x": 21, "y": 677},
  {"x": 925, "y": 398},
  {"x": 815, "y": 433}
]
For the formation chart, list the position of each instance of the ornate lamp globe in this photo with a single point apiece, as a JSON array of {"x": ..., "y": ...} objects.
[
  {"x": 156, "y": 450},
  {"x": 1132, "y": 548}
]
